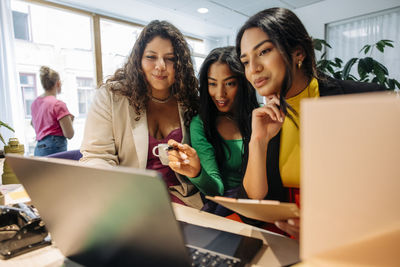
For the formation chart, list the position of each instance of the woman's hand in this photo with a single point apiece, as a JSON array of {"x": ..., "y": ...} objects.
[
  {"x": 291, "y": 226},
  {"x": 183, "y": 159},
  {"x": 267, "y": 120}
]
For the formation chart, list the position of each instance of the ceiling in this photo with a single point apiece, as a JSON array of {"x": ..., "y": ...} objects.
[
  {"x": 227, "y": 13},
  {"x": 223, "y": 19}
]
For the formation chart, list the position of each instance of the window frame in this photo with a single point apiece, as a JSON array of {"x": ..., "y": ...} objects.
[
  {"x": 96, "y": 31},
  {"x": 23, "y": 86},
  {"x": 88, "y": 90}
]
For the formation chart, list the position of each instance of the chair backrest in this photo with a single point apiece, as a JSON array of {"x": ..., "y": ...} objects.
[{"x": 70, "y": 154}]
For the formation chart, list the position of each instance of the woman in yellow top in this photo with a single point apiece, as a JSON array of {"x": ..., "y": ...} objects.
[{"x": 279, "y": 61}]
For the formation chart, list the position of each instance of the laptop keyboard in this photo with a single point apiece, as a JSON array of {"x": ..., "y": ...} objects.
[{"x": 203, "y": 257}]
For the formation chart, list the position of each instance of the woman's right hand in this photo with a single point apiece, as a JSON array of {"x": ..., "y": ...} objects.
[
  {"x": 183, "y": 159},
  {"x": 267, "y": 120}
]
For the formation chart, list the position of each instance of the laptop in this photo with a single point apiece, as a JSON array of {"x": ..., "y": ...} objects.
[
  {"x": 121, "y": 216},
  {"x": 350, "y": 213}
]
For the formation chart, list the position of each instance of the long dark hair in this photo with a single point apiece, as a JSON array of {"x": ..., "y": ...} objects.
[
  {"x": 245, "y": 101},
  {"x": 287, "y": 33},
  {"x": 130, "y": 80}
]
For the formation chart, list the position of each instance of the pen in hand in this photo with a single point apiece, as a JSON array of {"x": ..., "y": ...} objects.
[{"x": 169, "y": 148}]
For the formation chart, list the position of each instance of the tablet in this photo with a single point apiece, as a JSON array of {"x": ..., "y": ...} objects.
[{"x": 262, "y": 210}]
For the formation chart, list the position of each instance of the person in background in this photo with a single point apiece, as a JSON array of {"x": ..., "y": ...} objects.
[
  {"x": 148, "y": 101},
  {"x": 278, "y": 56},
  {"x": 50, "y": 117},
  {"x": 220, "y": 133}
]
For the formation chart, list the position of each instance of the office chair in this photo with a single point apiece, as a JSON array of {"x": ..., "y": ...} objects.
[{"x": 69, "y": 154}]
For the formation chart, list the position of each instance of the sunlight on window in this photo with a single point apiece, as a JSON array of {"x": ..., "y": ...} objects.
[
  {"x": 117, "y": 40},
  {"x": 61, "y": 40}
]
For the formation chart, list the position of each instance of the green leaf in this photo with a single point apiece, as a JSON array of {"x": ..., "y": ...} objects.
[
  {"x": 6, "y": 125},
  {"x": 380, "y": 46},
  {"x": 347, "y": 67},
  {"x": 365, "y": 48},
  {"x": 397, "y": 83},
  {"x": 386, "y": 43},
  {"x": 391, "y": 84},
  {"x": 366, "y": 64},
  {"x": 361, "y": 68},
  {"x": 317, "y": 46},
  {"x": 338, "y": 62},
  {"x": 2, "y": 140},
  {"x": 379, "y": 74},
  {"x": 384, "y": 69}
]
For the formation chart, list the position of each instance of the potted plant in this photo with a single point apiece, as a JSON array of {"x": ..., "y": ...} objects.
[
  {"x": 368, "y": 69},
  {"x": 7, "y": 126}
]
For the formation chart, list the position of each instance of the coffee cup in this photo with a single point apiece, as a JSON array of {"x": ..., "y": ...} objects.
[{"x": 162, "y": 153}]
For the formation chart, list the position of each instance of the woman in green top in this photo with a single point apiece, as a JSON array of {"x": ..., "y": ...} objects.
[{"x": 219, "y": 134}]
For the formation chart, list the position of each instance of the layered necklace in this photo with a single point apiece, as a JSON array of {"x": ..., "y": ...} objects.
[{"x": 160, "y": 101}]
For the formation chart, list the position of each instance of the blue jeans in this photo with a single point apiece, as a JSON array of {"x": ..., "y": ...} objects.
[
  {"x": 50, "y": 144},
  {"x": 212, "y": 207}
]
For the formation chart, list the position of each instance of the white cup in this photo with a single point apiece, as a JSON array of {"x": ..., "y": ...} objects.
[{"x": 162, "y": 153}]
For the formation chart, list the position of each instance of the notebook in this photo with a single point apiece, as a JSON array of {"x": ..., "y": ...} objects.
[
  {"x": 262, "y": 210},
  {"x": 350, "y": 211},
  {"x": 120, "y": 216}
]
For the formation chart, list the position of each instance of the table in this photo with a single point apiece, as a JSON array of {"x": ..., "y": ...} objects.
[{"x": 276, "y": 251}]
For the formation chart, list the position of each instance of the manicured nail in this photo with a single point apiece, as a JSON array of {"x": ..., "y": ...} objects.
[
  {"x": 183, "y": 155},
  {"x": 278, "y": 224},
  {"x": 186, "y": 161},
  {"x": 291, "y": 222}
]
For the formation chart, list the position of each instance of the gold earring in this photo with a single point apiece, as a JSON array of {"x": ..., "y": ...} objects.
[{"x": 299, "y": 64}]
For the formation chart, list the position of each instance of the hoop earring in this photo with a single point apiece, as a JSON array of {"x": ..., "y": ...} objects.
[{"x": 299, "y": 64}]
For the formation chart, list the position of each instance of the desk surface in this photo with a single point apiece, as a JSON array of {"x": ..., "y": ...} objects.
[{"x": 276, "y": 251}]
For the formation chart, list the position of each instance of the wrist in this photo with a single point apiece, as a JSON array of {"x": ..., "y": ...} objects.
[
  {"x": 259, "y": 142},
  {"x": 197, "y": 174}
]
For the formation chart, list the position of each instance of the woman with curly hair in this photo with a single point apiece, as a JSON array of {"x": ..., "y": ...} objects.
[{"x": 147, "y": 102}]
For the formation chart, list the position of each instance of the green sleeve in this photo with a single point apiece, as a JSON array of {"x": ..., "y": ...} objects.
[{"x": 209, "y": 181}]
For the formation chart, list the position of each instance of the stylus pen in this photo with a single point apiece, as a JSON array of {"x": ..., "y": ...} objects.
[{"x": 172, "y": 148}]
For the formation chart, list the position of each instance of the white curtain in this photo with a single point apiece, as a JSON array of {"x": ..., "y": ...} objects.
[
  {"x": 348, "y": 37},
  {"x": 11, "y": 107}
]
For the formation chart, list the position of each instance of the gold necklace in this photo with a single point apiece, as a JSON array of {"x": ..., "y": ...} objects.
[{"x": 160, "y": 101}]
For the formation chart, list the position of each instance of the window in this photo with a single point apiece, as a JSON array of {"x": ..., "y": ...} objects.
[
  {"x": 198, "y": 52},
  {"x": 62, "y": 40},
  {"x": 21, "y": 25},
  {"x": 28, "y": 88},
  {"x": 348, "y": 37},
  {"x": 117, "y": 40},
  {"x": 85, "y": 94}
]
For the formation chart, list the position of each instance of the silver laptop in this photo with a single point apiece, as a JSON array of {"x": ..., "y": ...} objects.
[{"x": 120, "y": 216}]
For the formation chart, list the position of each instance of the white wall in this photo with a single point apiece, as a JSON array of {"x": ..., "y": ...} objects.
[{"x": 317, "y": 15}]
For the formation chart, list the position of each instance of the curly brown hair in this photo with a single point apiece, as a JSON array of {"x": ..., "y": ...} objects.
[{"x": 130, "y": 80}]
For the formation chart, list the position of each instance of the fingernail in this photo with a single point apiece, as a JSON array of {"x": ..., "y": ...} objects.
[
  {"x": 291, "y": 222},
  {"x": 183, "y": 155},
  {"x": 180, "y": 146},
  {"x": 277, "y": 224},
  {"x": 178, "y": 164},
  {"x": 186, "y": 161}
]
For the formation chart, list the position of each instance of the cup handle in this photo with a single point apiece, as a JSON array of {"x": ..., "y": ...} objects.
[{"x": 154, "y": 151}]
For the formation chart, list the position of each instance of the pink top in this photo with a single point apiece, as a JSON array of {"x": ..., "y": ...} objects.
[
  {"x": 46, "y": 112},
  {"x": 154, "y": 162}
]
